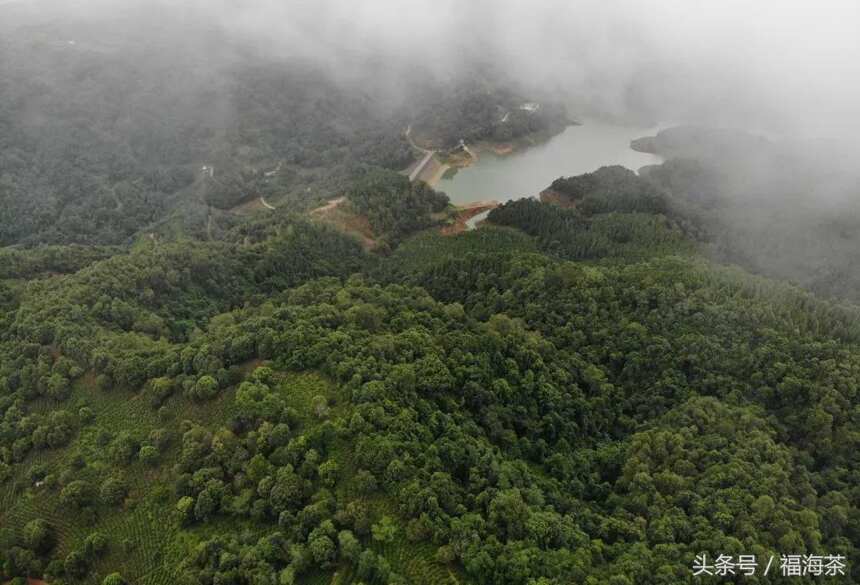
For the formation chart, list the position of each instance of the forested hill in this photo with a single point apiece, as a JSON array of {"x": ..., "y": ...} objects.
[
  {"x": 136, "y": 126},
  {"x": 565, "y": 396},
  {"x": 771, "y": 208},
  {"x": 102, "y": 137}
]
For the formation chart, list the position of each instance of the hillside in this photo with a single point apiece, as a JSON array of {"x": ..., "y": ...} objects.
[
  {"x": 246, "y": 338},
  {"x": 765, "y": 206},
  {"x": 127, "y": 126},
  {"x": 564, "y": 396}
]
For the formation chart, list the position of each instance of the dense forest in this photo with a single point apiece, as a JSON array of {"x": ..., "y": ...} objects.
[
  {"x": 84, "y": 162},
  {"x": 393, "y": 206},
  {"x": 480, "y": 109},
  {"x": 571, "y": 395},
  {"x": 123, "y": 128}
]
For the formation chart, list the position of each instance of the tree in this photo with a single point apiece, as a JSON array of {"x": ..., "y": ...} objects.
[
  {"x": 185, "y": 510},
  {"x": 287, "y": 576},
  {"x": 367, "y": 316},
  {"x": 320, "y": 406},
  {"x": 76, "y": 565},
  {"x": 385, "y": 530},
  {"x": 328, "y": 472},
  {"x": 373, "y": 567},
  {"x": 206, "y": 505},
  {"x": 263, "y": 375},
  {"x": 323, "y": 550},
  {"x": 123, "y": 448},
  {"x": 365, "y": 482},
  {"x": 39, "y": 536},
  {"x": 113, "y": 491},
  {"x": 160, "y": 389},
  {"x": 113, "y": 579},
  {"x": 350, "y": 547},
  {"x": 148, "y": 455},
  {"x": 445, "y": 554},
  {"x": 509, "y": 513},
  {"x": 86, "y": 415},
  {"x": 19, "y": 561},
  {"x": 58, "y": 387},
  {"x": 205, "y": 388},
  {"x": 95, "y": 545},
  {"x": 77, "y": 494},
  {"x": 258, "y": 401}
]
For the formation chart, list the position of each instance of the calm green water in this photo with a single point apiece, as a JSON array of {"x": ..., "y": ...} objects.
[{"x": 577, "y": 150}]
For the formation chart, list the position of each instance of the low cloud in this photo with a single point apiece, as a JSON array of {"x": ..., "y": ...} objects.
[{"x": 770, "y": 66}]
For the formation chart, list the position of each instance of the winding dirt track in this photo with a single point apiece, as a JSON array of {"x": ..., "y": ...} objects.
[
  {"x": 266, "y": 203},
  {"x": 329, "y": 206}
]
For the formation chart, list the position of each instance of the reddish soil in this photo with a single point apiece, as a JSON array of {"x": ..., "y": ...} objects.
[
  {"x": 329, "y": 206},
  {"x": 465, "y": 213},
  {"x": 251, "y": 206},
  {"x": 342, "y": 218}
]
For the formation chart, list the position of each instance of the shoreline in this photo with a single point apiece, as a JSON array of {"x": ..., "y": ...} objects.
[
  {"x": 439, "y": 165},
  {"x": 464, "y": 213}
]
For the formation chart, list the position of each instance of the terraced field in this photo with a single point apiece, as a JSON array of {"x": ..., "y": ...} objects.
[{"x": 146, "y": 543}]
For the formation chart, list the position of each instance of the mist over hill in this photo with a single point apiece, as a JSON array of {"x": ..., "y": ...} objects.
[{"x": 244, "y": 339}]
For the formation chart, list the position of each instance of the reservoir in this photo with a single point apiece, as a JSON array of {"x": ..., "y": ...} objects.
[{"x": 577, "y": 150}]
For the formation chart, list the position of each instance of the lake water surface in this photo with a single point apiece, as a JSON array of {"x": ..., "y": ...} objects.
[{"x": 577, "y": 150}]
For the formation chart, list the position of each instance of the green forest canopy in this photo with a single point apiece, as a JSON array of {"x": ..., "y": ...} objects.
[{"x": 566, "y": 396}]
